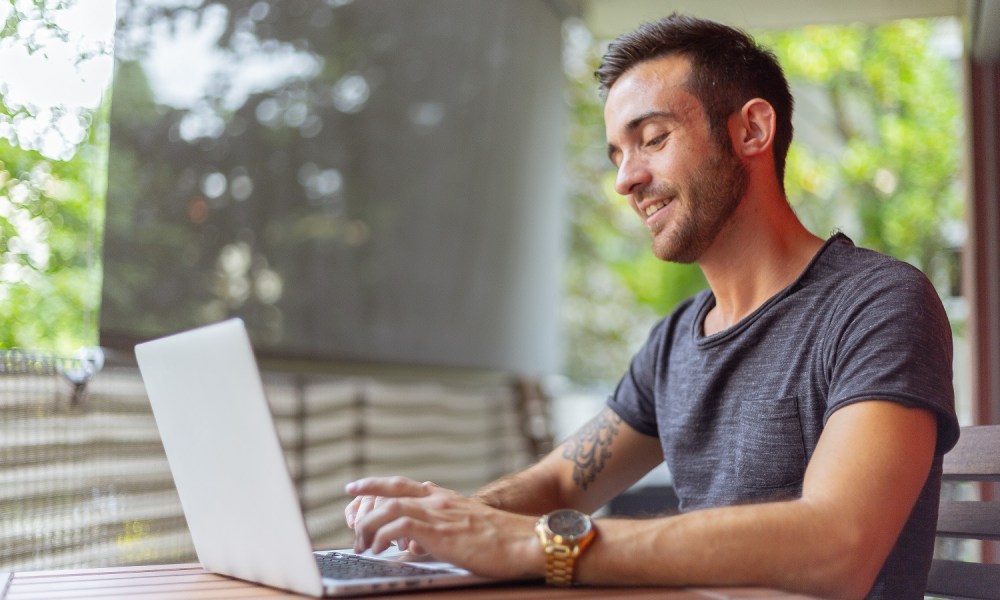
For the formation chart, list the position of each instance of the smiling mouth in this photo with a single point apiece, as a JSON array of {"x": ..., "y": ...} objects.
[{"x": 652, "y": 208}]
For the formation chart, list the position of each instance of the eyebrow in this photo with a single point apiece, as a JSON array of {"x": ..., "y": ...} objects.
[{"x": 637, "y": 122}]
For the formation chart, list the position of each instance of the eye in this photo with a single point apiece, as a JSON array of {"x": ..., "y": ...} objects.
[
  {"x": 657, "y": 140},
  {"x": 615, "y": 162}
]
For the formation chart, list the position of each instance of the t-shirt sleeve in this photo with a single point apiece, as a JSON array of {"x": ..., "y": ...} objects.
[
  {"x": 633, "y": 399},
  {"x": 892, "y": 341}
]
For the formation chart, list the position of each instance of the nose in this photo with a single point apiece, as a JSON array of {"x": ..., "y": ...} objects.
[{"x": 633, "y": 175}]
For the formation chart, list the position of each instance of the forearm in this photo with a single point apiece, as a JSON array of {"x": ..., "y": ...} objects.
[
  {"x": 532, "y": 491},
  {"x": 795, "y": 546},
  {"x": 586, "y": 471},
  {"x": 831, "y": 542}
]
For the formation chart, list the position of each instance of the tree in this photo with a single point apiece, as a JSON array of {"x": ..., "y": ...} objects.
[
  {"x": 886, "y": 165},
  {"x": 52, "y": 165},
  {"x": 884, "y": 168}
]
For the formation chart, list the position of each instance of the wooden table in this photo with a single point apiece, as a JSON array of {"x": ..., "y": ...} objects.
[{"x": 191, "y": 582}]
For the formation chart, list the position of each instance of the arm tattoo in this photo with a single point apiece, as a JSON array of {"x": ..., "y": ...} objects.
[{"x": 590, "y": 448}]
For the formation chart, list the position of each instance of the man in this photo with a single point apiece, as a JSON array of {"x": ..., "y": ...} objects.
[{"x": 802, "y": 403}]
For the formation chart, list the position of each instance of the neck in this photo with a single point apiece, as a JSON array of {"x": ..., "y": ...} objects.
[{"x": 761, "y": 250}]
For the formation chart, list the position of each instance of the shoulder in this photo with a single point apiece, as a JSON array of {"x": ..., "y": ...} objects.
[
  {"x": 871, "y": 293},
  {"x": 863, "y": 264},
  {"x": 889, "y": 337},
  {"x": 864, "y": 278}
]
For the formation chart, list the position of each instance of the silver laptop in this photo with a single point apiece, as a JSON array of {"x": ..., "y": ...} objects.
[{"x": 233, "y": 481}]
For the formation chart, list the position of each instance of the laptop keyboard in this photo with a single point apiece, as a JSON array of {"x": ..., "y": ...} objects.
[{"x": 337, "y": 565}]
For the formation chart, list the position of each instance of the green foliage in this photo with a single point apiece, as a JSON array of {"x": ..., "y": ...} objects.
[
  {"x": 50, "y": 216},
  {"x": 49, "y": 242},
  {"x": 886, "y": 171},
  {"x": 877, "y": 155},
  {"x": 884, "y": 168}
]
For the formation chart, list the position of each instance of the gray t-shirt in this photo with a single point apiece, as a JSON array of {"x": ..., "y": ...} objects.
[{"x": 739, "y": 413}]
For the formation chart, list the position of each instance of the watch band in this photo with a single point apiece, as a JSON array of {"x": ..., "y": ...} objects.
[
  {"x": 562, "y": 551},
  {"x": 559, "y": 563}
]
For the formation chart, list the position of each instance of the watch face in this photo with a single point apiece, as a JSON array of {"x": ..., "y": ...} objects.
[{"x": 569, "y": 523}]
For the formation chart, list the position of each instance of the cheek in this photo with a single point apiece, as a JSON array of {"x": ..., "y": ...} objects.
[
  {"x": 685, "y": 165},
  {"x": 675, "y": 159}
]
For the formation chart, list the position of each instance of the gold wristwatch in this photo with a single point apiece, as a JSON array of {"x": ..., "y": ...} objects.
[{"x": 564, "y": 535}]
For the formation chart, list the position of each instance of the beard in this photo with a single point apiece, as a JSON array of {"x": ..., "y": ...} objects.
[{"x": 713, "y": 191}]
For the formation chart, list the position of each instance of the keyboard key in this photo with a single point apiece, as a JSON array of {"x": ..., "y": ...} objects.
[{"x": 337, "y": 565}]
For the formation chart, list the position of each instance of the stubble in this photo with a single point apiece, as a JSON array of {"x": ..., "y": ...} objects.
[{"x": 713, "y": 192}]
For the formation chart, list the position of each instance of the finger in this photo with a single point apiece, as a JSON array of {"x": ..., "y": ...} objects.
[
  {"x": 412, "y": 545},
  {"x": 351, "y": 511},
  {"x": 367, "y": 525},
  {"x": 415, "y": 547},
  {"x": 389, "y": 510},
  {"x": 393, "y": 487},
  {"x": 405, "y": 544},
  {"x": 408, "y": 527},
  {"x": 357, "y": 508},
  {"x": 366, "y": 504}
]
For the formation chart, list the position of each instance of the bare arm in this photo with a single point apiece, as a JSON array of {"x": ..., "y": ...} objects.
[
  {"x": 871, "y": 462},
  {"x": 862, "y": 481},
  {"x": 860, "y": 486},
  {"x": 587, "y": 470},
  {"x": 590, "y": 468}
]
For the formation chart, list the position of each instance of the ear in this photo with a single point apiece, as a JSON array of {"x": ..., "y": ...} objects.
[{"x": 752, "y": 129}]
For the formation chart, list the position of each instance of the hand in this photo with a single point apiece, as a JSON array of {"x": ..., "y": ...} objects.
[
  {"x": 359, "y": 508},
  {"x": 453, "y": 528}
]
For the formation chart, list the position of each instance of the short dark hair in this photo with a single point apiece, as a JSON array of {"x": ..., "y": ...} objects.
[{"x": 728, "y": 68}]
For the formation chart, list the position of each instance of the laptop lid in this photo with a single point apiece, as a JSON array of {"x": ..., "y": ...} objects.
[
  {"x": 220, "y": 440},
  {"x": 231, "y": 475}
]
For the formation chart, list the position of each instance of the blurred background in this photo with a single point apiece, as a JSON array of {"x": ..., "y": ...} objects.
[
  {"x": 412, "y": 183},
  {"x": 417, "y": 191}
]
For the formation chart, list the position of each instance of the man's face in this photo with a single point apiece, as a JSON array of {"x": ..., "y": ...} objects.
[{"x": 676, "y": 176}]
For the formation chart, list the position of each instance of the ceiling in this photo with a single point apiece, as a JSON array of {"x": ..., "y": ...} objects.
[{"x": 609, "y": 18}]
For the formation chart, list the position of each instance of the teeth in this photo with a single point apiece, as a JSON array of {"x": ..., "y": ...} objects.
[{"x": 653, "y": 208}]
